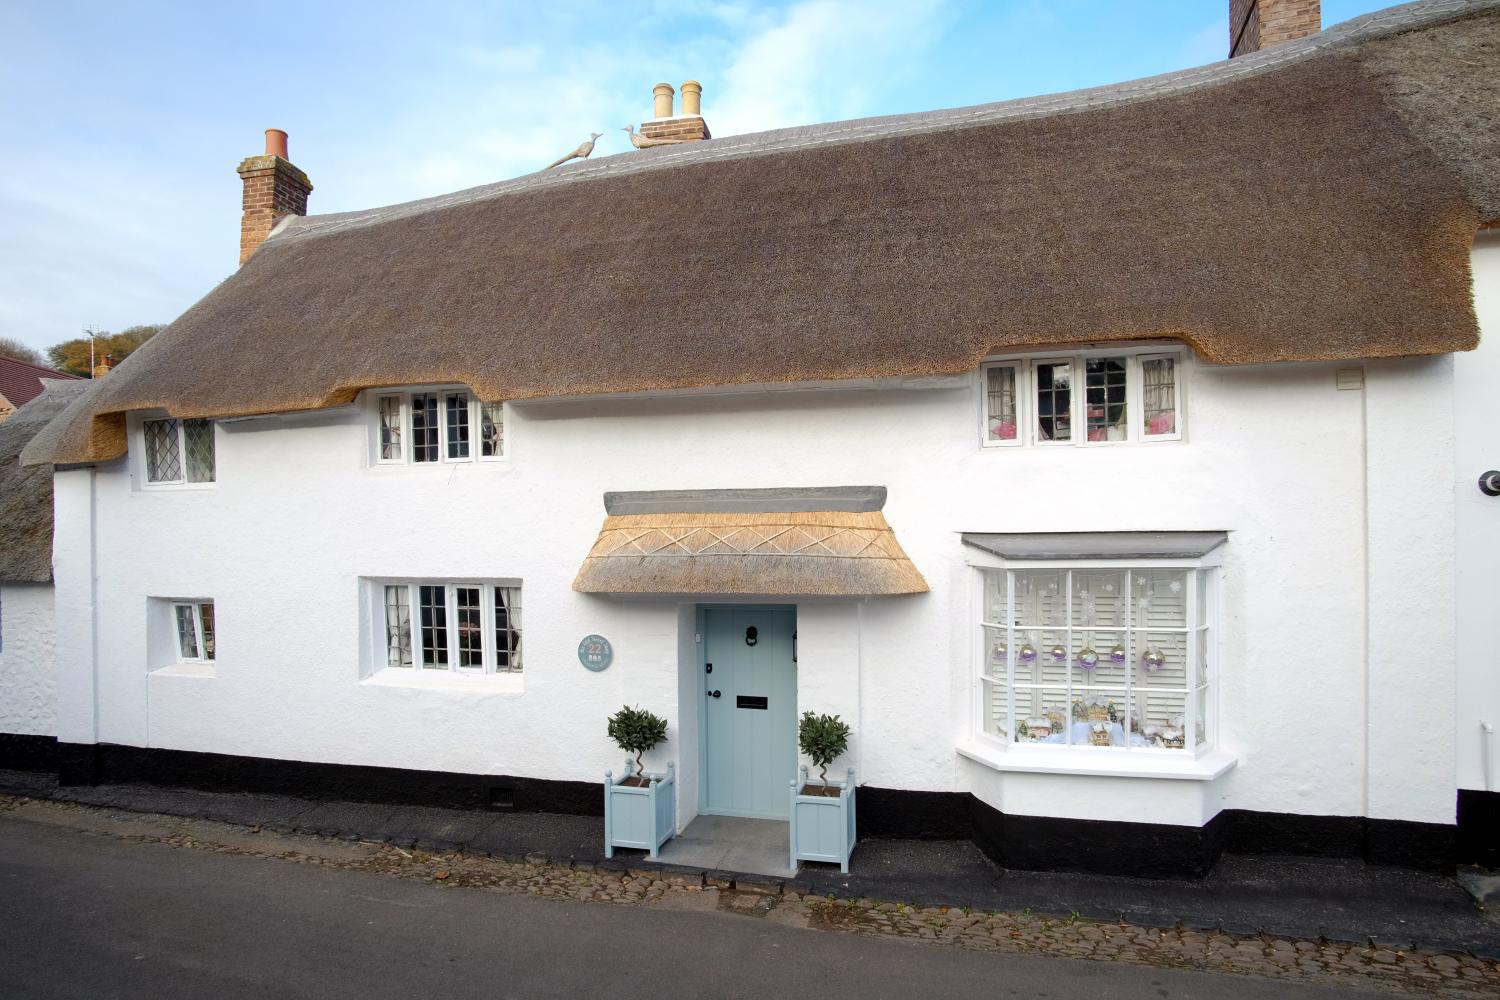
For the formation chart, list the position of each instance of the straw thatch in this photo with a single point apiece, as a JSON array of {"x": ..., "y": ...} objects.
[
  {"x": 26, "y": 493},
  {"x": 1314, "y": 201},
  {"x": 792, "y": 554}
]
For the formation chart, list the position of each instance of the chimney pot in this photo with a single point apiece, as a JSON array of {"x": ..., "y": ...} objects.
[
  {"x": 276, "y": 143},
  {"x": 662, "y": 92},
  {"x": 692, "y": 95}
]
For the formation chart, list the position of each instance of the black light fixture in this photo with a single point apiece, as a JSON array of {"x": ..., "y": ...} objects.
[{"x": 752, "y": 635}]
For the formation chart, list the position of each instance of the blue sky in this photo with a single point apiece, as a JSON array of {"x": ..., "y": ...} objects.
[{"x": 124, "y": 122}]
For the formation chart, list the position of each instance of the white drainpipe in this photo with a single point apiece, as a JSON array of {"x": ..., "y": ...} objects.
[{"x": 1487, "y": 743}]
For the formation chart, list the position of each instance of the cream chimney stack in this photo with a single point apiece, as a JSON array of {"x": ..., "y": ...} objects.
[{"x": 688, "y": 126}]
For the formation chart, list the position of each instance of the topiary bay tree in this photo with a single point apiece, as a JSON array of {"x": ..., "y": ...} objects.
[
  {"x": 823, "y": 738},
  {"x": 636, "y": 730}
]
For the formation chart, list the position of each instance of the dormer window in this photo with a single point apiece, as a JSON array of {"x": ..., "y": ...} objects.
[
  {"x": 1103, "y": 397},
  {"x": 440, "y": 425}
]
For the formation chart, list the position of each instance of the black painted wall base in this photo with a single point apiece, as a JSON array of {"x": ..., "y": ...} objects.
[
  {"x": 107, "y": 763},
  {"x": 1479, "y": 828},
  {"x": 20, "y": 752},
  {"x": 1142, "y": 850}
]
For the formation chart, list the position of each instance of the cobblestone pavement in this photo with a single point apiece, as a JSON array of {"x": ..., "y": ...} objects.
[{"x": 1311, "y": 962}]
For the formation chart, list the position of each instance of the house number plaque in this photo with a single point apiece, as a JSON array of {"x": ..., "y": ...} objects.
[{"x": 595, "y": 652}]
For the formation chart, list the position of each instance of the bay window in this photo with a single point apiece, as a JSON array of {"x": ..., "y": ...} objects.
[
  {"x": 1116, "y": 396},
  {"x": 1096, "y": 653}
]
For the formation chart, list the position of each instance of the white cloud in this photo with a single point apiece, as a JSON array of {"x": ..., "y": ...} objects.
[{"x": 826, "y": 60}]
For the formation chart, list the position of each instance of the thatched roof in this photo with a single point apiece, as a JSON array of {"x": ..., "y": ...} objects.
[
  {"x": 26, "y": 493},
  {"x": 768, "y": 542},
  {"x": 1317, "y": 200}
]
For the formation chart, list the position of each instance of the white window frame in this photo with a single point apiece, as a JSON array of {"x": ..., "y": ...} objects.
[
  {"x": 1196, "y": 621},
  {"x": 489, "y": 665},
  {"x": 1028, "y": 413},
  {"x": 408, "y": 443},
  {"x": 141, "y": 463},
  {"x": 195, "y": 608}
]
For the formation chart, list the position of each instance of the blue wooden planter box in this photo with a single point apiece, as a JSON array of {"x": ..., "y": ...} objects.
[
  {"x": 643, "y": 817},
  {"x": 823, "y": 827}
]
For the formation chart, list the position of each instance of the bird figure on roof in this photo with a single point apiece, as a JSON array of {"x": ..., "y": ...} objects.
[
  {"x": 645, "y": 141},
  {"x": 581, "y": 153}
]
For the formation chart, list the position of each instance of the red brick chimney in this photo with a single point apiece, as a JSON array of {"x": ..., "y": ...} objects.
[
  {"x": 274, "y": 189},
  {"x": 1260, "y": 24}
]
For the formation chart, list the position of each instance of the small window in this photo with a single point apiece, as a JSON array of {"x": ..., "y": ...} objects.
[
  {"x": 178, "y": 451},
  {"x": 424, "y": 427},
  {"x": 1002, "y": 405},
  {"x": 195, "y": 631},
  {"x": 1159, "y": 397},
  {"x": 508, "y": 629},
  {"x": 1126, "y": 396},
  {"x": 391, "y": 436},
  {"x": 1054, "y": 400},
  {"x": 464, "y": 627},
  {"x": 492, "y": 429},
  {"x": 437, "y": 426}
]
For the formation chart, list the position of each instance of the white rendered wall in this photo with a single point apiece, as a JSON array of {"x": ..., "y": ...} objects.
[
  {"x": 28, "y": 688},
  {"x": 1476, "y": 405},
  {"x": 1275, "y": 455}
]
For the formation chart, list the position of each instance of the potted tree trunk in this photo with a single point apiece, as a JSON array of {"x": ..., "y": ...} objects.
[
  {"x": 640, "y": 809},
  {"x": 822, "y": 815}
]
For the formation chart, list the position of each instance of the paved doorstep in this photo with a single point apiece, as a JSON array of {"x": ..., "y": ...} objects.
[{"x": 1304, "y": 961}]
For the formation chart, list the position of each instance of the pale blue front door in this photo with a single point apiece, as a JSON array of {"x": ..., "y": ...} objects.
[{"x": 750, "y": 711}]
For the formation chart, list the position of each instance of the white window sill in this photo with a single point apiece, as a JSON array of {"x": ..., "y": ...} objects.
[
  {"x": 184, "y": 670},
  {"x": 446, "y": 680},
  {"x": 1101, "y": 762}
]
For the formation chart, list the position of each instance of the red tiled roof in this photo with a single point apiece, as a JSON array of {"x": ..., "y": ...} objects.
[{"x": 21, "y": 382}]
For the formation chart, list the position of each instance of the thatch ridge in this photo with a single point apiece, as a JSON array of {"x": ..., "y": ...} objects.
[
  {"x": 800, "y": 553},
  {"x": 1314, "y": 202},
  {"x": 26, "y": 492}
]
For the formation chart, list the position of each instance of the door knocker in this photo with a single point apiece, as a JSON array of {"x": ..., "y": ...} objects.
[{"x": 752, "y": 635}]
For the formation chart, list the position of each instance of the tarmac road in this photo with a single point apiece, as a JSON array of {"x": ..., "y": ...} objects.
[{"x": 91, "y": 916}]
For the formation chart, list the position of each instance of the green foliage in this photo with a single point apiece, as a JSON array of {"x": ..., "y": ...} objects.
[
  {"x": 73, "y": 355},
  {"x": 636, "y": 730},
  {"x": 12, "y": 348},
  {"x": 823, "y": 738}
]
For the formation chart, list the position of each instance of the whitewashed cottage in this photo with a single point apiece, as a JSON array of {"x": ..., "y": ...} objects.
[{"x": 1110, "y": 461}]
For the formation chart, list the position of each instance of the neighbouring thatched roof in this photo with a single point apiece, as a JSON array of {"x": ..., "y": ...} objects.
[
  {"x": 1317, "y": 200},
  {"x": 829, "y": 541},
  {"x": 26, "y": 493}
]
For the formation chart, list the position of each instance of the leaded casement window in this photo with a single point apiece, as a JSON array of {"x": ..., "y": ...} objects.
[
  {"x": 1107, "y": 656},
  {"x": 194, "y": 622},
  {"x": 178, "y": 452},
  {"x": 1102, "y": 397},
  {"x": 461, "y": 627},
  {"x": 430, "y": 426}
]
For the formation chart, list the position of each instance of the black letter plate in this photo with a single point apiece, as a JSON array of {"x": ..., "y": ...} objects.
[{"x": 750, "y": 701}]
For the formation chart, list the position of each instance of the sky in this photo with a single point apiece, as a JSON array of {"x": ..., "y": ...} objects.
[{"x": 122, "y": 123}]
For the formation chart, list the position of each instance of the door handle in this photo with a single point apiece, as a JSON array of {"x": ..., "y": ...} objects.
[{"x": 712, "y": 694}]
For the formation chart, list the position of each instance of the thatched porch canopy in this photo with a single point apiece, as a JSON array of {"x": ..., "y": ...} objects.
[{"x": 784, "y": 542}]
